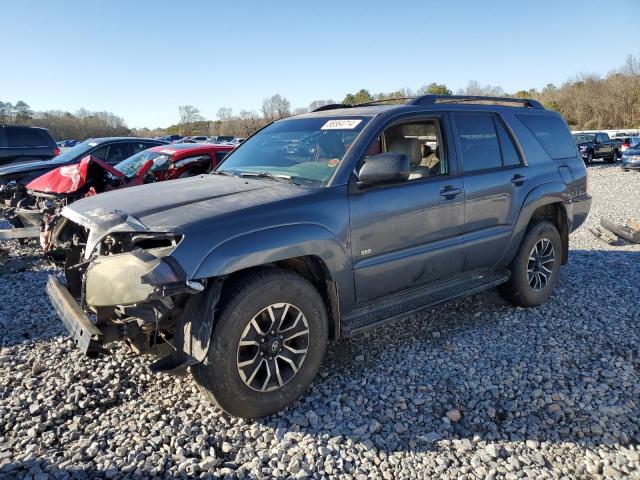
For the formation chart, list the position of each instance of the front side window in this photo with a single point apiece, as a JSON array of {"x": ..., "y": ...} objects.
[
  {"x": 117, "y": 152},
  {"x": 301, "y": 150},
  {"x": 140, "y": 146},
  {"x": 420, "y": 141},
  {"x": 478, "y": 142}
]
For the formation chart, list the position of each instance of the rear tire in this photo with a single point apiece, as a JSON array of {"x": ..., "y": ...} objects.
[
  {"x": 273, "y": 313},
  {"x": 535, "y": 268}
]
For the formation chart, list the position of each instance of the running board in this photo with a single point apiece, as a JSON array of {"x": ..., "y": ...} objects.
[
  {"x": 402, "y": 305},
  {"x": 18, "y": 233}
]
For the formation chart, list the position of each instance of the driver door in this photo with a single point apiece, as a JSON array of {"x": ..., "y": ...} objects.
[{"x": 410, "y": 233}]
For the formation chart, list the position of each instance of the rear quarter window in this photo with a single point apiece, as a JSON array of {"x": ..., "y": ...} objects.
[
  {"x": 552, "y": 133},
  {"x": 26, "y": 137}
]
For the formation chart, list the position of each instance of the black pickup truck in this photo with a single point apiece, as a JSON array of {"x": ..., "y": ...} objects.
[{"x": 597, "y": 145}]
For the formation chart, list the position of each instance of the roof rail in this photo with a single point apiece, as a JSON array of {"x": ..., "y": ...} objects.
[
  {"x": 331, "y": 106},
  {"x": 433, "y": 99},
  {"x": 334, "y": 106}
]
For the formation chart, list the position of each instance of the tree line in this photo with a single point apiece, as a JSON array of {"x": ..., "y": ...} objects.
[
  {"x": 80, "y": 125},
  {"x": 586, "y": 101}
]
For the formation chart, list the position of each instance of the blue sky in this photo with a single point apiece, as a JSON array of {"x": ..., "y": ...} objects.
[{"x": 142, "y": 59}]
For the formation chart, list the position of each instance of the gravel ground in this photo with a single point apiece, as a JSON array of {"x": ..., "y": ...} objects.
[{"x": 472, "y": 389}]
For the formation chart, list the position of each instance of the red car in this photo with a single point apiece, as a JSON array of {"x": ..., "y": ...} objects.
[{"x": 50, "y": 192}]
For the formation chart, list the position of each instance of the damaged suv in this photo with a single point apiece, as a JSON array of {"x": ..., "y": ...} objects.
[{"x": 318, "y": 227}]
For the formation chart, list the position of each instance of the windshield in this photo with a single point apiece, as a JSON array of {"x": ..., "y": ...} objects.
[
  {"x": 131, "y": 165},
  {"x": 584, "y": 137},
  {"x": 305, "y": 150},
  {"x": 74, "y": 152}
]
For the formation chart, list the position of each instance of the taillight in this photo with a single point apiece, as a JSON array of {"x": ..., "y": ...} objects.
[
  {"x": 56, "y": 151},
  {"x": 626, "y": 144}
]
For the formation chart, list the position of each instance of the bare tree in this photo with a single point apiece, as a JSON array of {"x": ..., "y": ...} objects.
[
  {"x": 320, "y": 103},
  {"x": 225, "y": 113},
  {"x": 474, "y": 88},
  {"x": 189, "y": 113},
  {"x": 249, "y": 122},
  {"x": 275, "y": 108}
]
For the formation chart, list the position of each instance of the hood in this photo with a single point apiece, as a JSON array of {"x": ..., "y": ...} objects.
[
  {"x": 584, "y": 143},
  {"x": 172, "y": 205},
  {"x": 61, "y": 180},
  {"x": 26, "y": 167}
]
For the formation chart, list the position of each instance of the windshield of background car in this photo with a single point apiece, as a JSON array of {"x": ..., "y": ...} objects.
[
  {"x": 131, "y": 165},
  {"x": 584, "y": 137},
  {"x": 307, "y": 150},
  {"x": 75, "y": 152}
]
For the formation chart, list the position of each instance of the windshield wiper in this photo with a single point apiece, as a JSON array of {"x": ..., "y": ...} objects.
[{"x": 279, "y": 178}]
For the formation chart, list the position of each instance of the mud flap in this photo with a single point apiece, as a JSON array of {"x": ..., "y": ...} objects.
[{"x": 193, "y": 331}]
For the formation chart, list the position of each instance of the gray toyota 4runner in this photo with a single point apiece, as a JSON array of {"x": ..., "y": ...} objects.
[{"x": 317, "y": 227}]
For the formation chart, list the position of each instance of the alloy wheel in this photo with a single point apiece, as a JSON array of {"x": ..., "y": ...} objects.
[
  {"x": 540, "y": 264},
  {"x": 273, "y": 347}
]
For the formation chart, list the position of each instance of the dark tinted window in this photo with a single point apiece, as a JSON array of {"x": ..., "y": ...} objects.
[
  {"x": 100, "y": 153},
  {"x": 220, "y": 156},
  {"x": 26, "y": 137},
  {"x": 140, "y": 146},
  {"x": 117, "y": 152},
  {"x": 552, "y": 134},
  {"x": 479, "y": 142},
  {"x": 510, "y": 155}
]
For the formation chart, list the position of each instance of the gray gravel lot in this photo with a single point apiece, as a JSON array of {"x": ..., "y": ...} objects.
[{"x": 471, "y": 389}]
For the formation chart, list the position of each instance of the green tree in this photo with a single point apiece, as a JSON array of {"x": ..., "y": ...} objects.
[
  {"x": 22, "y": 112},
  {"x": 437, "y": 89},
  {"x": 362, "y": 96}
]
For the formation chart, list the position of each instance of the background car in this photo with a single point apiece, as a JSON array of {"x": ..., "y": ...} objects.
[
  {"x": 47, "y": 194},
  {"x": 628, "y": 143},
  {"x": 631, "y": 158},
  {"x": 21, "y": 143},
  {"x": 112, "y": 150}
]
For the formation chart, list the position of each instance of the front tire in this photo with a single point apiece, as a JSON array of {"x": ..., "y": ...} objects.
[
  {"x": 267, "y": 345},
  {"x": 589, "y": 159},
  {"x": 536, "y": 267}
]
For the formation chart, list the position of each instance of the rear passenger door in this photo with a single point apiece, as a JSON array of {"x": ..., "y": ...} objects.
[{"x": 494, "y": 178}]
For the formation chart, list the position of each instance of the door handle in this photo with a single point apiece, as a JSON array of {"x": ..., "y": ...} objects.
[
  {"x": 449, "y": 191},
  {"x": 518, "y": 179}
]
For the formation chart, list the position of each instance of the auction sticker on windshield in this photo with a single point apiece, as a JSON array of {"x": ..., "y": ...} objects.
[{"x": 341, "y": 124}]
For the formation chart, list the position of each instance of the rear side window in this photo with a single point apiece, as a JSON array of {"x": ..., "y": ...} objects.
[
  {"x": 552, "y": 134},
  {"x": 510, "y": 155},
  {"x": 479, "y": 142},
  {"x": 26, "y": 137}
]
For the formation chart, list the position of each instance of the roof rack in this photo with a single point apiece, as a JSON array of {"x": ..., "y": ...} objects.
[
  {"x": 433, "y": 99},
  {"x": 334, "y": 106}
]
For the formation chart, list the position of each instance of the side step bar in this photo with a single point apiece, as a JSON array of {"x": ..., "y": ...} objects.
[{"x": 404, "y": 305}]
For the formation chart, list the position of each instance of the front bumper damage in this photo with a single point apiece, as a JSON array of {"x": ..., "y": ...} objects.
[{"x": 142, "y": 297}]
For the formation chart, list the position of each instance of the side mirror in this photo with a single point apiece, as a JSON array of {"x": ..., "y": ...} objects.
[{"x": 384, "y": 168}]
